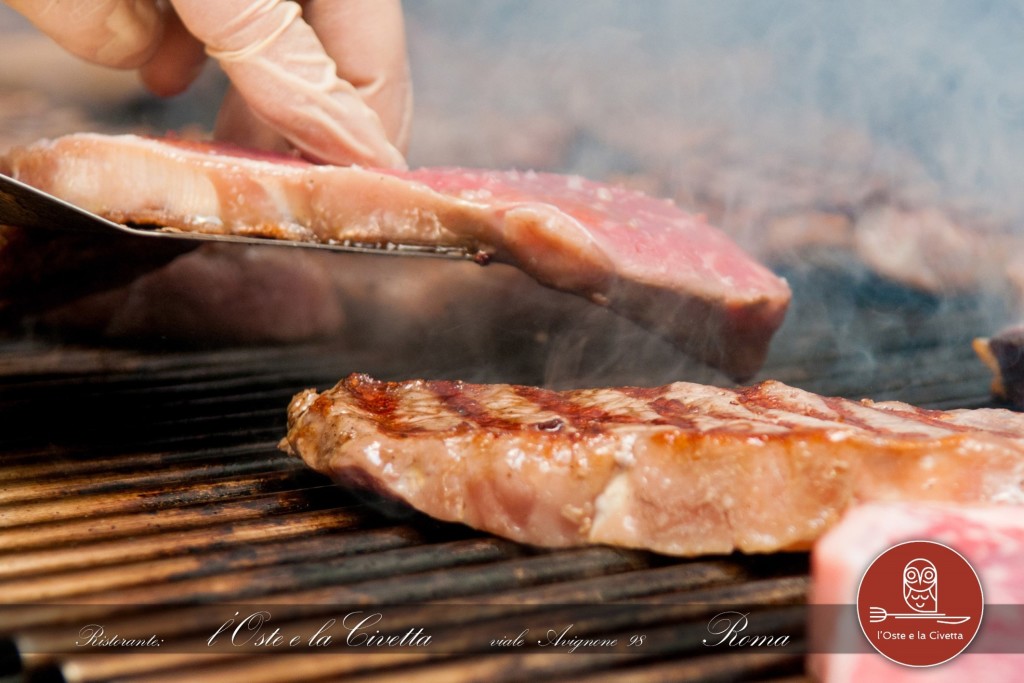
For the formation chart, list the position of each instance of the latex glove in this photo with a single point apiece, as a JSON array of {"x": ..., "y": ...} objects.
[{"x": 329, "y": 76}]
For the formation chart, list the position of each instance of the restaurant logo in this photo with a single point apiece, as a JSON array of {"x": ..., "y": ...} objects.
[{"x": 920, "y": 603}]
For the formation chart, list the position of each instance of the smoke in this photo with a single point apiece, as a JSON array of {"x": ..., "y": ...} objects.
[
  {"x": 826, "y": 137},
  {"x": 942, "y": 80}
]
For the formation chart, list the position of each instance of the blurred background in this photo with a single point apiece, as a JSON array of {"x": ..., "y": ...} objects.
[
  {"x": 610, "y": 86},
  {"x": 868, "y": 151}
]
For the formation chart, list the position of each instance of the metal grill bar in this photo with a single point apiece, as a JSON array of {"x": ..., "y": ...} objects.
[
  {"x": 75, "y": 532},
  {"x": 159, "y": 498},
  {"x": 43, "y": 562}
]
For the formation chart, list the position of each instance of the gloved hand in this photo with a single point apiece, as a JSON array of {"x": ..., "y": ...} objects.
[{"x": 329, "y": 76}]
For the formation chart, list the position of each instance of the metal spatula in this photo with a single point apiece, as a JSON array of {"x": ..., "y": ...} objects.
[{"x": 24, "y": 206}]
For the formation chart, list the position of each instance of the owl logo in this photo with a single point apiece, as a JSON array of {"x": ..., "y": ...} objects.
[{"x": 921, "y": 585}]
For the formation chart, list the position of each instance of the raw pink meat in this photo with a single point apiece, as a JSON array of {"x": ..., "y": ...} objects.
[{"x": 645, "y": 258}]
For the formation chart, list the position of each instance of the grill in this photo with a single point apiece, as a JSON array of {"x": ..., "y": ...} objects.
[{"x": 144, "y": 490}]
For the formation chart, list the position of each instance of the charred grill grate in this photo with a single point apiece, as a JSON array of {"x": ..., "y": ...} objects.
[{"x": 135, "y": 485}]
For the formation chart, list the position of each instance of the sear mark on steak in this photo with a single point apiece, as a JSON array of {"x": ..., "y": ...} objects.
[{"x": 683, "y": 469}]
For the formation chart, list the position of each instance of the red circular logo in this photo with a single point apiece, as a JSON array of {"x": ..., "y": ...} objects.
[{"x": 920, "y": 603}]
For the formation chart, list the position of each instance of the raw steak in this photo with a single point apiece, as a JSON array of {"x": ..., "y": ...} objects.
[
  {"x": 645, "y": 258},
  {"x": 682, "y": 469},
  {"x": 991, "y": 539}
]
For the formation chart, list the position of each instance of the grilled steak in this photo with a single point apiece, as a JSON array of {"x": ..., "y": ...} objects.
[
  {"x": 682, "y": 469},
  {"x": 645, "y": 258}
]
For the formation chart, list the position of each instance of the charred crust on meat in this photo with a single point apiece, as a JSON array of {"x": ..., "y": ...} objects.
[{"x": 553, "y": 425}]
